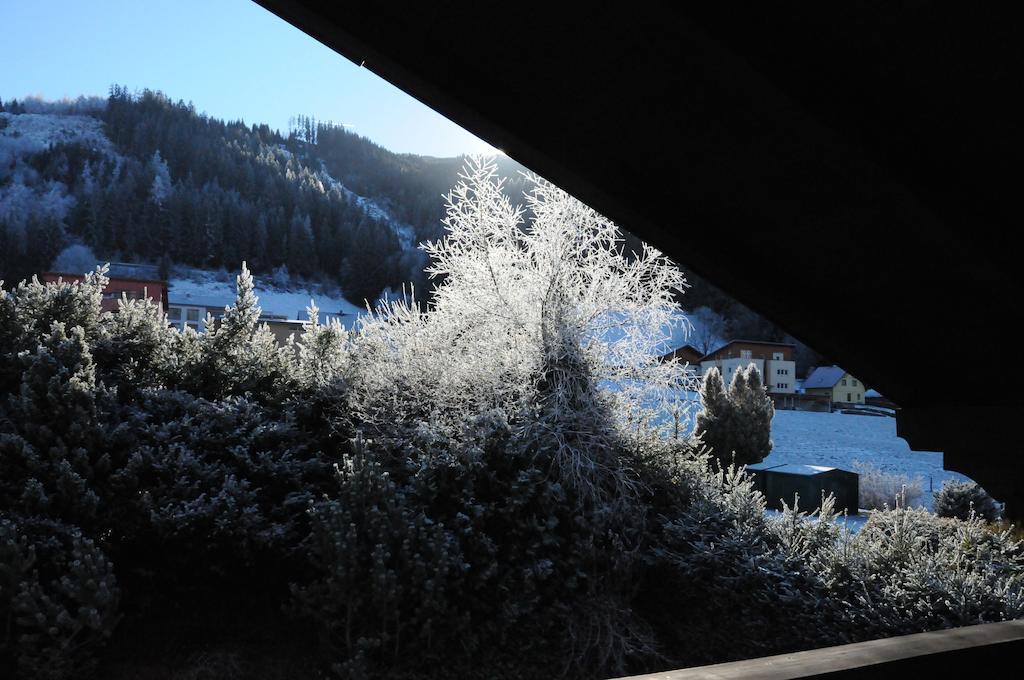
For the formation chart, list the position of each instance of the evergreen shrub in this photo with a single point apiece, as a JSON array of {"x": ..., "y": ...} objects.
[
  {"x": 962, "y": 499},
  {"x": 484, "y": 490}
]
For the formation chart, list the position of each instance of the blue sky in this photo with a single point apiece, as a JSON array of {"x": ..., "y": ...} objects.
[{"x": 231, "y": 58}]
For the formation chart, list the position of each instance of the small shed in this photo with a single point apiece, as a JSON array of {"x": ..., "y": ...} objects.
[{"x": 780, "y": 482}]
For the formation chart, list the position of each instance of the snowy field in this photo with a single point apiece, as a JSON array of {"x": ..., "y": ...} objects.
[
  {"x": 837, "y": 440},
  {"x": 218, "y": 288}
]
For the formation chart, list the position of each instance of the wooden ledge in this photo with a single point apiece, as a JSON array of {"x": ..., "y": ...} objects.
[{"x": 936, "y": 651}]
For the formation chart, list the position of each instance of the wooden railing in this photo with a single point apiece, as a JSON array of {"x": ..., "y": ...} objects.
[{"x": 991, "y": 649}]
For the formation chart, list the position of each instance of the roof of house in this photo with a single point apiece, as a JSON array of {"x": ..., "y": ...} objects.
[
  {"x": 750, "y": 342},
  {"x": 824, "y": 377},
  {"x": 681, "y": 349},
  {"x": 69, "y": 276},
  {"x": 130, "y": 270},
  {"x": 189, "y": 301}
]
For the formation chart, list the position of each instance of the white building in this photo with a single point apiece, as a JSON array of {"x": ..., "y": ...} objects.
[{"x": 773, "y": 359}]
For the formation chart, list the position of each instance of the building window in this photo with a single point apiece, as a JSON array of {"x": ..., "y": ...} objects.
[
  {"x": 745, "y": 354},
  {"x": 844, "y": 382},
  {"x": 848, "y": 397},
  {"x": 180, "y": 317},
  {"x": 854, "y": 382}
]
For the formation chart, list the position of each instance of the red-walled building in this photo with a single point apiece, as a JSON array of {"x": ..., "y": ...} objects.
[{"x": 133, "y": 289}]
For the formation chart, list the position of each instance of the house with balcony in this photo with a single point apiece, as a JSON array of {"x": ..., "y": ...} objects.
[
  {"x": 773, "y": 359},
  {"x": 835, "y": 383}
]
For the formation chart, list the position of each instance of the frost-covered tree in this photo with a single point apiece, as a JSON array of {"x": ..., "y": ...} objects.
[
  {"x": 538, "y": 311},
  {"x": 161, "y": 187},
  {"x": 75, "y": 259},
  {"x": 320, "y": 353},
  {"x": 736, "y": 425},
  {"x": 236, "y": 355}
]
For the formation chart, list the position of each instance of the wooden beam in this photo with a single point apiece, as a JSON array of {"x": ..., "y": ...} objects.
[{"x": 931, "y": 654}]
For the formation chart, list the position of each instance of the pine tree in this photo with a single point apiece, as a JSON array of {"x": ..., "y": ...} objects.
[
  {"x": 320, "y": 351},
  {"x": 715, "y": 420},
  {"x": 735, "y": 425},
  {"x": 236, "y": 355},
  {"x": 301, "y": 257},
  {"x": 754, "y": 413}
]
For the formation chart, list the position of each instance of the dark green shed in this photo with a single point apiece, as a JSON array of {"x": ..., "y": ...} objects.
[{"x": 782, "y": 481}]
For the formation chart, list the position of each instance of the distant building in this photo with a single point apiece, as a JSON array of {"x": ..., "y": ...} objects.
[
  {"x": 139, "y": 281},
  {"x": 686, "y": 353},
  {"x": 874, "y": 398},
  {"x": 837, "y": 384},
  {"x": 284, "y": 328},
  {"x": 190, "y": 311},
  {"x": 773, "y": 359},
  {"x": 131, "y": 287}
]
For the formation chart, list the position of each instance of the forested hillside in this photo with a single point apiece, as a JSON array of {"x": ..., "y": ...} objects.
[{"x": 141, "y": 177}]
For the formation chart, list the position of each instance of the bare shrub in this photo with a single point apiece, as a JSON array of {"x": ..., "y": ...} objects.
[{"x": 879, "y": 489}]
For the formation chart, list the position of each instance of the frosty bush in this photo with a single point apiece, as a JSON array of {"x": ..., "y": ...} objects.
[
  {"x": 392, "y": 574},
  {"x": 736, "y": 424},
  {"x": 734, "y": 584},
  {"x": 523, "y": 320},
  {"x": 236, "y": 355},
  {"x": 438, "y": 547},
  {"x": 486, "y": 488},
  {"x": 879, "y": 489},
  {"x": 961, "y": 499},
  {"x": 918, "y": 572},
  {"x": 58, "y": 600}
]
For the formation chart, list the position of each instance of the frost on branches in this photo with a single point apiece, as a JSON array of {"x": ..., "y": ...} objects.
[{"x": 537, "y": 312}]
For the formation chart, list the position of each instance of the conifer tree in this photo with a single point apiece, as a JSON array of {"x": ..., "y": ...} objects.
[
  {"x": 754, "y": 413},
  {"x": 236, "y": 355},
  {"x": 735, "y": 425},
  {"x": 320, "y": 354}
]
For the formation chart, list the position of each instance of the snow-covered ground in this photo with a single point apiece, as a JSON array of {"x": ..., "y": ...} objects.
[
  {"x": 218, "y": 288},
  {"x": 837, "y": 440}
]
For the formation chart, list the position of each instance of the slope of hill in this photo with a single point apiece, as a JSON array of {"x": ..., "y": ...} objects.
[{"x": 144, "y": 178}]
